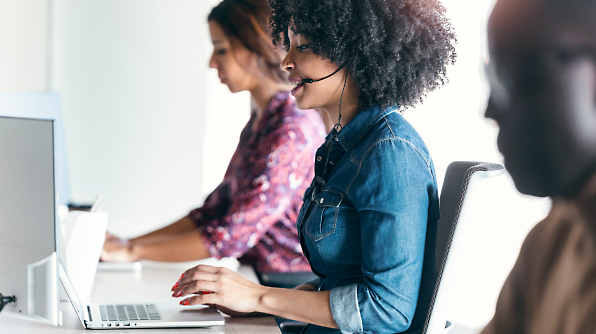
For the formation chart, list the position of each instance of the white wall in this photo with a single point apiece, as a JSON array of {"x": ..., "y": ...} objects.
[
  {"x": 23, "y": 45},
  {"x": 151, "y": 128},
  {"x": 133, "y": 80}
]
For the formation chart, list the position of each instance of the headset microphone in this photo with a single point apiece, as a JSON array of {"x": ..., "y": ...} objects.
[{"x": 305, "y": 81}]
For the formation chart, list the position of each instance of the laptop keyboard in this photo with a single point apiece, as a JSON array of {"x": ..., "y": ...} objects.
[{"x": 129, "y": 312}]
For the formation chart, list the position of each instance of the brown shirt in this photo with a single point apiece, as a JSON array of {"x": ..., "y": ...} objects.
[{"x": 552, "y": 287}]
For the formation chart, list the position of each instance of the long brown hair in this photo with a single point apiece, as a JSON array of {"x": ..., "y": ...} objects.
[{"x": 247, "y": 22}]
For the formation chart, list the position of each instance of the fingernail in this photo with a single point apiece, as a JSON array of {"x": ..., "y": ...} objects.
[
  {"x": 205, "y": 292},
  {"x": 175, "y": 286},
  {"x": 181, "y": 276},
  {"x": 179, "y": 293},
  {"x": 185, "y": 302}
]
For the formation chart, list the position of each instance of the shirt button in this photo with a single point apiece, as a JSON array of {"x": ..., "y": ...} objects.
[
  {"x": 319, "y": 158},
  {"x": 322, "y": 200}
]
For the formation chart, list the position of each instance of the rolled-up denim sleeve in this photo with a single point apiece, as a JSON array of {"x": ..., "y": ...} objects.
[
  {"x": 345, "y": 310},
  {"x": 391, "y": 194}
]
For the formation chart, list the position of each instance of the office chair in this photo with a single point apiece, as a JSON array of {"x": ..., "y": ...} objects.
[{"x": 458, "y": 178}]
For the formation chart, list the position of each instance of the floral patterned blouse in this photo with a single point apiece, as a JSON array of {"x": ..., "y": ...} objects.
[{"x": 252, "y": 214}]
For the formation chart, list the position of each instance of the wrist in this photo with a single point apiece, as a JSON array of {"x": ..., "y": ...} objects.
[
  {"x": 134, "y": 251},
  {"x": 264, "y": 304}
]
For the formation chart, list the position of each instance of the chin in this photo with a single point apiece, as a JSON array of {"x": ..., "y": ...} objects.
[
  {"x": 301, "y": 107},
  {"x": 532, "y": 179},
  {"x": 300, "y": 104},
  {"x": 529, "y": 188},
  {"x": 233, "y": 90}
]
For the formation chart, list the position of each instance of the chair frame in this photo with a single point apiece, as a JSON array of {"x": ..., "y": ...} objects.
[{"x": 455, "y": 186}]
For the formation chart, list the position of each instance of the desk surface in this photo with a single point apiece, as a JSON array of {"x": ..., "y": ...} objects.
[{"x": 151, "y": 284}]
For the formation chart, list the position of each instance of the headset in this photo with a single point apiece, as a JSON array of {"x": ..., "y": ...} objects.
[
  {"x": 319, "y": 179},
  {"x": 337, "y": 126},
  {"x": 308, "y": 80}
]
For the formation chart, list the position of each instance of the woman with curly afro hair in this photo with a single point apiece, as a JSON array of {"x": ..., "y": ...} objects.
[{"x": 368, "y": 222}]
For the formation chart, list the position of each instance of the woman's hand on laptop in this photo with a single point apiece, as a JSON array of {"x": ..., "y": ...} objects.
[{"x": 230, "y": 291}]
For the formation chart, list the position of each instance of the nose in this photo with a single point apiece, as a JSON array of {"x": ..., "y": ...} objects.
[
  {"x": 499, "y": 104},
  {"x": 499, "y": 101},
  {"x": 287, "y": 64},
  {"x": 490, "y": 109},
  {"x": 212, "y": 62}
]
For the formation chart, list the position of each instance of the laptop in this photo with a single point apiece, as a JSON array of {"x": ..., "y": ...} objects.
[{"x": 139, "y": 315}]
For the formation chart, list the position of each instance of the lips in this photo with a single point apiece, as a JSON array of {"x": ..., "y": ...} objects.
[
  {"x": 297, "y": 87},
  {"x": 298, "y": 84}
]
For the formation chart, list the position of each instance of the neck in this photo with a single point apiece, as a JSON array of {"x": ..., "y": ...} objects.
[
  {"x": 263, "y": 94},
  {"x": 349, "y": 103},
  {"x": 586, "y": 200}
]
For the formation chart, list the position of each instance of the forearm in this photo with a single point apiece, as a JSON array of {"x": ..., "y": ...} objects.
[
  {"x": 178, "y": 248},
  {"x": 297, "y": 304},
  {"x": 182, "y": 226},
  {"x": 306, "y": 287},
  {"x": 232, "y": 291}
]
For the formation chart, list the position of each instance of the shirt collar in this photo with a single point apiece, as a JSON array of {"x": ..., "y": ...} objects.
[{"x": 361, "y": 124}]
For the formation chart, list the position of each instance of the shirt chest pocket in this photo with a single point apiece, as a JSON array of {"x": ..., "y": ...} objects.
[{"x": 322, "y": 221}]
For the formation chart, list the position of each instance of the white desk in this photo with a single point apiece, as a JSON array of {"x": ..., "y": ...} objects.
[{"x": 150, "y": 284}]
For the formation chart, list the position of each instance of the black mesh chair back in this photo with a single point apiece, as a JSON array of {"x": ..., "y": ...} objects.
[{"x": 455, "y": 186}]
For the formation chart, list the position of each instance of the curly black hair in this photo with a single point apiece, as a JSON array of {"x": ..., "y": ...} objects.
[{"x": 396, "y": 50}]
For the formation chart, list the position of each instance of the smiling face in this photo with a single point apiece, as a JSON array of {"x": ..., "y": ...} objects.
[
  {"x": 302, "y": 63},
  {"x": 237, "y": 76},
  {"x": 543, "y": 93}
]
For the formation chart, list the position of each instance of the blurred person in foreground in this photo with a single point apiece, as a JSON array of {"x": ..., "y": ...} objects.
[
  {"x": 251, "y": 215},
  {"x": 543, "y": 96}
]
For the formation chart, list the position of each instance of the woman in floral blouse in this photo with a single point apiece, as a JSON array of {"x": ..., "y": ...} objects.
[{"x": 251, "y": 215}]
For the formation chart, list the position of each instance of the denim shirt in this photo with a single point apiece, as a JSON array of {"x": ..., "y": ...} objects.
[{"x": 363, "y": 231}]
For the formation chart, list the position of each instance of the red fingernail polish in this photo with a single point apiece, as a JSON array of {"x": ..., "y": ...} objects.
[
  {"x": 181, "y": 276},
  {"x": 175, "y": 286},
  {"x": 179, "y": 293},
  {"x": 184, "y": 302},
  {"x": 205, "y": 292}
]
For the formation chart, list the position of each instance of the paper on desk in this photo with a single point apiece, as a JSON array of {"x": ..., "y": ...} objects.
[
  {"x": 84, "y": 235},
  {"x": 226, "y": 262}
]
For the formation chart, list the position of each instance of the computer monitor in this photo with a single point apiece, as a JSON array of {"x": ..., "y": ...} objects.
[
  {"x": 28, "y": 257},
  {"x": 43, "y": 105}
]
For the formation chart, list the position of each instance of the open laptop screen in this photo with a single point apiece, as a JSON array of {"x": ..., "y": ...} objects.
[{"x": 72, "y": 295}]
